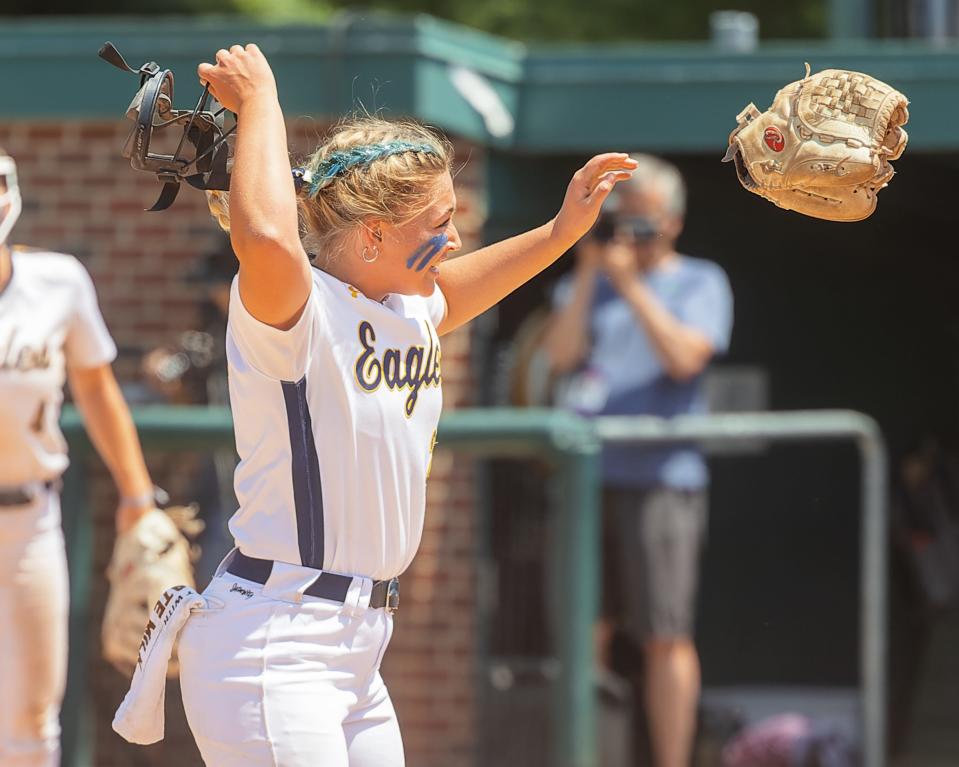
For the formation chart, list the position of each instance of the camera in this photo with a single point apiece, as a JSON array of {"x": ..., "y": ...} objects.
[{"x": 639, "y": 228}]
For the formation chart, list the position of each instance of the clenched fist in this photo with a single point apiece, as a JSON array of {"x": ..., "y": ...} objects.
[{"x": 239, "y": 74}]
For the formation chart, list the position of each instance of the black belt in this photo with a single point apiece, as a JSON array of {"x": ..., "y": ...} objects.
[
  {"x": 21, "y": 496},
  {"x": 332, "y": 586}
]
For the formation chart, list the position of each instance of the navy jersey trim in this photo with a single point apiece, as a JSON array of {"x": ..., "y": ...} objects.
[{"x": 307, "y": 489}]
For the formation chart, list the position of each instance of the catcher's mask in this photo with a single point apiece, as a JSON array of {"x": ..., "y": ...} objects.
[
  {"x": 203, "y": 127},
  {"x": 10, "y": 199}
]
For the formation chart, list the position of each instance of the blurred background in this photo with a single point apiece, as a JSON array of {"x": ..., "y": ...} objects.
[{"x": 860, "y": 316}]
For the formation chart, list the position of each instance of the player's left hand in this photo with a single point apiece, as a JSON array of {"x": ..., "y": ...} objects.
[{"x": 586, "y": 193}]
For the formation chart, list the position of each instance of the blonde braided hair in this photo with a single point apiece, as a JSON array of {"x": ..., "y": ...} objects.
[{"x": 367, "y": 168}]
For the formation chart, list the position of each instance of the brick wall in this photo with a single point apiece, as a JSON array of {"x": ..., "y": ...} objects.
[{"x": 81, "y": 197}]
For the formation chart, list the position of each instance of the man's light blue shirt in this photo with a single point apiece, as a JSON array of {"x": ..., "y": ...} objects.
[{"x": 624, "y": 376}]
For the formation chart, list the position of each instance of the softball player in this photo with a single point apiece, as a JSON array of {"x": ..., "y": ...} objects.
[
  {"x": 50, "y": 329},
  {"x": 335, "y": 389}
]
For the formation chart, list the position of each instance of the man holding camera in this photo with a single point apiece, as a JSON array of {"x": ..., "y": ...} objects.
[{"x": 633, "y": 329}]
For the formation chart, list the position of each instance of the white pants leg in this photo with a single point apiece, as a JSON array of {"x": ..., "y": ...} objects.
[
  {"x": 272, "y": 683},
  {"x": 373, "y": 734},
  {"x": 34, "y": 603}
]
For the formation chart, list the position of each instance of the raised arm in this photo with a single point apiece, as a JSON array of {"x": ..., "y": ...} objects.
[
  {"x": 475, "y": 282},
  {"x": 275, "y": 277}
]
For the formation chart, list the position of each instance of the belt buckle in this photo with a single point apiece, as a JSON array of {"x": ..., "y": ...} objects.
[{"x": 392, "y": 596}]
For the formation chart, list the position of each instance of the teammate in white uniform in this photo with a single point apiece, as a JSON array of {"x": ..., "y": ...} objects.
[
  {"x": 335, "y": 389},
  {"x": 50, "y": 329}
]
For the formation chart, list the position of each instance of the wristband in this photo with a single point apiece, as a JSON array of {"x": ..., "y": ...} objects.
[{"x": 155, "y": 497}]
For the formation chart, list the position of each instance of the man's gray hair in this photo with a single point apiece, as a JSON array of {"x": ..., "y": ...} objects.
[{"x": 656, "y": 173}]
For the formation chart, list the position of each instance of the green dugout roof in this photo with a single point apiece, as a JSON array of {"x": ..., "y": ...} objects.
[{"x": 531, "y": 99}]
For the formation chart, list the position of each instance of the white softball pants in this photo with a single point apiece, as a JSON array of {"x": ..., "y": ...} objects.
[
  {"x": 34, "y": 603},
  {"x": 272, "y": 681}
]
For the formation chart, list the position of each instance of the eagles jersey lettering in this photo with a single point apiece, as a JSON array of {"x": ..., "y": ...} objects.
[
  {"x": 49, "y": 320},
  {"x": 335, "y": 424}
]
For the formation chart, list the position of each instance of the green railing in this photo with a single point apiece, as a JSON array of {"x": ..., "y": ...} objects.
[
  {"x": 569, "y": 442},
  {"x": 572, "y": 444},
  {"x": 809, "y": 426}
]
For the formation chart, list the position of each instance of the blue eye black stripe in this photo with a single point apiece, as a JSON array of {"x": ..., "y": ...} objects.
[{"x": 426, "y": 252}]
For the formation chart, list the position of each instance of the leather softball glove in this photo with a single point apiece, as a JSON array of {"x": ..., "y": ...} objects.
[
  {"x": 824, "y": 146},
  {"x": 155, "y": 554}
]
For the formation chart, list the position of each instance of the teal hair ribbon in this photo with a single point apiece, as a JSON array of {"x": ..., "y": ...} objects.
[{"x": 338, "y": 163}]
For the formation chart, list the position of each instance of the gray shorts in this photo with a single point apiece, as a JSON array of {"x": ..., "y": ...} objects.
[{"x": 652, "y": 539}]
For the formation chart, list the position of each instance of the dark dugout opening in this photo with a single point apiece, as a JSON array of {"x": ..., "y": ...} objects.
[{"x": 861, "y": 316}]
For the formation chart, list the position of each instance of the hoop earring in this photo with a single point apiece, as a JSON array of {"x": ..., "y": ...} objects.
[{"x": 376, "y": 254}]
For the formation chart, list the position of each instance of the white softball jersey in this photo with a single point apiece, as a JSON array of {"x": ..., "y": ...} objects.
[
  {"x": 335, "y": 423},
  {"x": 49, "y": 320}
]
